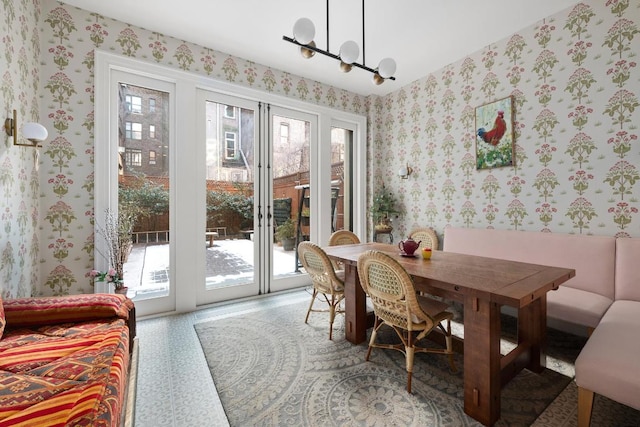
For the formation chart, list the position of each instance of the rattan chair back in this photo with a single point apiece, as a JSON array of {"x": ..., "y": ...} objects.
[
  {"x": 343, "y": 237},
  {"x": 319, "y": 268},
  {"x": 392, "y": 292},
  {"x": 427, "y": 238}
]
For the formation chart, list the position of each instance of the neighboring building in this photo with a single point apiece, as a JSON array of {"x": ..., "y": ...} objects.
[{"x": 143, "y": 131}]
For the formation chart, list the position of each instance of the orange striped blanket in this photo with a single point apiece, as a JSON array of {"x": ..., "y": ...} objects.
[{"x": 64, "y": 374}]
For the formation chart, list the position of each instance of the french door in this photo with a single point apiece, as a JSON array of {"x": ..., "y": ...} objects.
[
  {"x": 253, "y": 156},
  {"x": 215, "y": 176}
]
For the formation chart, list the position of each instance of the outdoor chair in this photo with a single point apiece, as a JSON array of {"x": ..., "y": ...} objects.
[
  {"x": 427, "y": 238},
  {"x": 325, "y": 279},
  {"x": 396, "y": 304}
]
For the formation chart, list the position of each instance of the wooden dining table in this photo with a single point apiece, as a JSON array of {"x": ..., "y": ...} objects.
[{"x": 483, "y": 285}]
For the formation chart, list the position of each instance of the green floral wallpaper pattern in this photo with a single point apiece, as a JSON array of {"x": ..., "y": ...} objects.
[
  {"x": 19, "y": 203},
  {"x": 575, "y": 83}
]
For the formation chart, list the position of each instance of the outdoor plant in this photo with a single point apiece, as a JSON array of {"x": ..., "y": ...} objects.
[
  {"x": 221, "y": 204},
  {"x": 285, "y": 233},
  {"x": 287, "y": 230}
]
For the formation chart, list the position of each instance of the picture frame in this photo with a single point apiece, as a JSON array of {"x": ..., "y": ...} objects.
[{"x": 495, "y": 145}]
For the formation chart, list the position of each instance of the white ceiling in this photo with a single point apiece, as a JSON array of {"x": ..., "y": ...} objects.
[{"x": 421, "y": 35}]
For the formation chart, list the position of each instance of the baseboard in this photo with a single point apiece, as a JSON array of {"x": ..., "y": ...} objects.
[{"x": 129, "y": 410}]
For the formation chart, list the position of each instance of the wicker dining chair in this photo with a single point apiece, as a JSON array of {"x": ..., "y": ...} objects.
[
  {"x": 396, "y": 304},
  {"x": 325, "y": 279},
  {"x": 427, "y": 238},
  {"x": 343, "y": 237}
]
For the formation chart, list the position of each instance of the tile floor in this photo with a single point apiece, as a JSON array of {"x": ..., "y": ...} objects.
[{"x": 175, "y": 387}]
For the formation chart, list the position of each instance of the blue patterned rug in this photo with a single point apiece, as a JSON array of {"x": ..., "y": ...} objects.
[{"x": 271, "y": 369}]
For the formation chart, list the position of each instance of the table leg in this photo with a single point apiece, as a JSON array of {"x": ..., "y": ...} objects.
[
  {"x": 482, "y": 380},
  {"x": 532, "y": 329},
  {"x": 355, "y": 310}
]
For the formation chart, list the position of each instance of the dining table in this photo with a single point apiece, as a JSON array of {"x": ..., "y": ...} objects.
[{"x": 483, "y": 285}]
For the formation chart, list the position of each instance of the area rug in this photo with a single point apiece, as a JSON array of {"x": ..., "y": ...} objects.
[{"x": 272, "y": 369}]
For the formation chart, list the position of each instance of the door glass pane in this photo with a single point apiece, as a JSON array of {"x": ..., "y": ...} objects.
[
  {"x": 341, "y": 201},
  {"x": 229, "y": 236},
  {"x": 143, "y": 187},
  {"x": 291, "y": 191}
]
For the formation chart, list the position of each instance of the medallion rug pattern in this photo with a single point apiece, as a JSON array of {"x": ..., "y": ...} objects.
[{"x": 272, "y": 369}]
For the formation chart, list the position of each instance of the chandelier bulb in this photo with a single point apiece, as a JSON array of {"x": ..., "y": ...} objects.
[
  {"x": 304, "y": 31},
  {"x": 387, "y": 68}
]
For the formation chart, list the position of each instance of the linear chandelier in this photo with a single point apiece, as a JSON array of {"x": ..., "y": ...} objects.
[{"x": 304, "y": 31}]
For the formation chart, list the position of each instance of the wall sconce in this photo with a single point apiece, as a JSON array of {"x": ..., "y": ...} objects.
[
  {"x": 33, "y": 132},
  {"x": 405, "y": 171}
]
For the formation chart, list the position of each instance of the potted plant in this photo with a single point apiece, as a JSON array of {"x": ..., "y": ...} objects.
[
  {"x": 383, "y": 208},
  {"x": 118, "y": 239},
  {"x": 285, "y": 233}
]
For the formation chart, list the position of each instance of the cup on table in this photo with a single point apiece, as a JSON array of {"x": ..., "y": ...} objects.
[{"x": 426, "y": 253}]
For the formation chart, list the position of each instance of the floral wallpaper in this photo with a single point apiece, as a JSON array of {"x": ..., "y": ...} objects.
[
  {"x": 574, "y": 79},
  {"x": 19, "y": 196},
  {"x": 69, "y": 37}
]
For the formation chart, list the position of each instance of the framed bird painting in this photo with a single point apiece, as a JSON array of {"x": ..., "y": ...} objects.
[{"x": 495, "y": 146}]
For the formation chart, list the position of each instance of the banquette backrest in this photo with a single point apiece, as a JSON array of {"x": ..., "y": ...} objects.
[
  {"x": 593, "y": 257},
  {"x": 628, "y": 269}
]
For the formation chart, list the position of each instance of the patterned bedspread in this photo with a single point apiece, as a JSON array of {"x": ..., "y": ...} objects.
[{"x": 71, "y": 374}]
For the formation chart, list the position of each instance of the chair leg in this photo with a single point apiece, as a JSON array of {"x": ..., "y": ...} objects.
[
  {"x": 449, "y": 340},
  {"x": 409, "y": 354},
  {"x": 332, "y": 315},
  {"x": 585, "y": 406},
  {"x": 313, "y": 298},
  {"x": 374, "y": 332}
]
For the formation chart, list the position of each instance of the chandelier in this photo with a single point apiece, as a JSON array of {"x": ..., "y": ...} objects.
[{"x": 304, "y": 31}]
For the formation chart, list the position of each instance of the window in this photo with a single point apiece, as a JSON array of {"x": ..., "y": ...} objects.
[
  {"x": 229, "y": 112},
  {"x": 284, "y": 133},
  {"x": 133, "y": 157},
  {"x": 133, "y": 103},
  {"x": 152, "y": 157},
  {"x": 133, "y": 130},
  {"x": 152, "y": 131},
  {"x": 152, "y": 105},
  {"x": 230, "y": 145}
]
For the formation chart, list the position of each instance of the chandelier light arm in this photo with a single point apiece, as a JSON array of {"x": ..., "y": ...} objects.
[
  {"x": 331, "y": 55},
  {"x": 304, "y": 32}
]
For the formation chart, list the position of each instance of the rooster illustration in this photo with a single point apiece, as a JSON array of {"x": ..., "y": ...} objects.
[{"x": 494, "y": 136}]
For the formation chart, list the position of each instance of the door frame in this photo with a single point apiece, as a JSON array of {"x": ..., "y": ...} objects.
[{"x": 184, "y": 126}]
